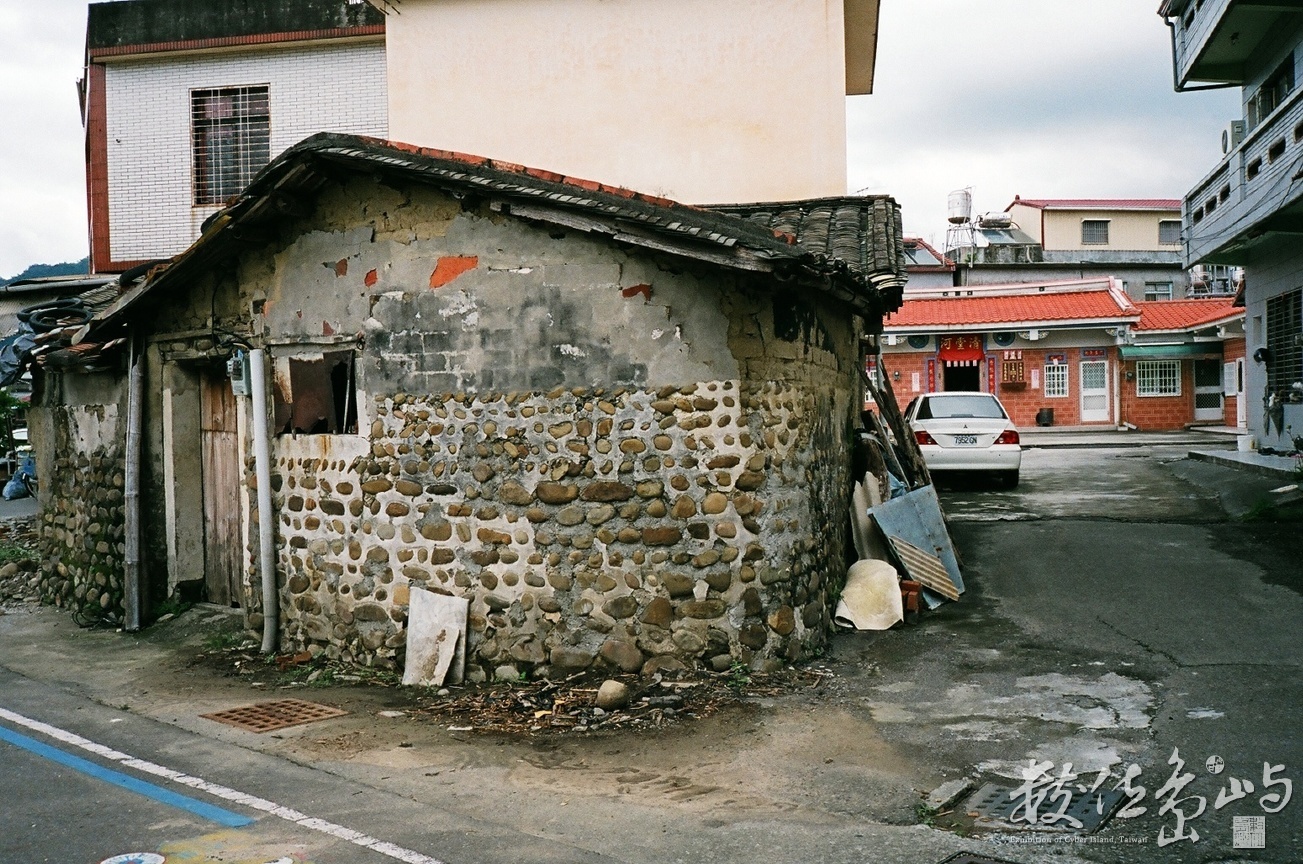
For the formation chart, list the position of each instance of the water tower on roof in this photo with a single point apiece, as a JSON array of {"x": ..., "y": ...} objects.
[{"x": 960, "y": 233}]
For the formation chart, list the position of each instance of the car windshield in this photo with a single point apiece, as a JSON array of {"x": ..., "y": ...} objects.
[{"x": 976, "y": 405}]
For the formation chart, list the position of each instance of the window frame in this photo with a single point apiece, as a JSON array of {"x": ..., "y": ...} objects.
[
  {"x": 1167, "y": 223},
  {"x": 1282, "y": 336},
  {"x": 1170, "y": 292},
  {"x": 1085, "y": 241},
  {"x": 1061, "y": 371},
  {"x": 229, "y": 124},
  {"x": 1151, "y": 377}
]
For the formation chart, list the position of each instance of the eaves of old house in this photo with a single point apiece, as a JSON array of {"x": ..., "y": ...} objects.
[
  {"x": 690, "y": 378},
  {"x": 850, "y": 248}
]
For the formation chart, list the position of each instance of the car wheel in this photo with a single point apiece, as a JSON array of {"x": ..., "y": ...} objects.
[{"x": 1010, "y": 479}]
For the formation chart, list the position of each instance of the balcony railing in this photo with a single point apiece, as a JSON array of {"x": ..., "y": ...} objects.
[
  {"x": 1193, "y": 30},
  {"x": 1254, "y": 181}
]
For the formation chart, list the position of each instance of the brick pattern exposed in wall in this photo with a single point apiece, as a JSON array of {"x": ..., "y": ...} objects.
[
  {"x": 82, "y": 521},
  {"x": 633, "y": 529},
  {"x": 313, "y": 88},
  {"x": 1158, "y": 413},
  {"x": 1024, "y": 401}
]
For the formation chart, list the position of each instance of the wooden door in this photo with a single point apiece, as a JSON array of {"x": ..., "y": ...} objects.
[{"x": 219, "y": 445}]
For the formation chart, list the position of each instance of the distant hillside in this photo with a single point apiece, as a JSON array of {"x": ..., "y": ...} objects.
[{"x": 36, "y": 271}]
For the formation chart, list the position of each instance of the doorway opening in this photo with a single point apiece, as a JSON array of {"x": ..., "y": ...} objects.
[{"x": 963, "y": 378}]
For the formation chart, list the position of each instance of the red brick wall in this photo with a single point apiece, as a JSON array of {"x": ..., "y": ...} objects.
[
  {"x": 1157, "y": 413},
  {"x": 1021, "y": 401}
]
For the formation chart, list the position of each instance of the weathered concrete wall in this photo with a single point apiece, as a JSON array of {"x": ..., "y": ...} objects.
[
  {"x": 611, "y": 455},
  {"x": 78, "y": 425}
]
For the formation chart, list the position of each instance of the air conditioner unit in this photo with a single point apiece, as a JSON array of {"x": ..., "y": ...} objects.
[{"x": 1232, "y": 136}]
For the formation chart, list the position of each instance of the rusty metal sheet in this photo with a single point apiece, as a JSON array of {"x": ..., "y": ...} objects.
[
  {"x": 925, "y": 569},
  {"x": 916, "y": 518}
]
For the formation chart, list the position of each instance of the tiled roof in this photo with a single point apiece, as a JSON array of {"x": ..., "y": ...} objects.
[
  {"x": 922, "y": 257},
  {"x": 1186, "y": 314},
  {"x": 803, "y": 241},
  {"x": 863, "y": 231},
  {"x": 1087, "y": 306},
  {"x": 163, "y": 24},
  {"x": 1099, "y": 203}
]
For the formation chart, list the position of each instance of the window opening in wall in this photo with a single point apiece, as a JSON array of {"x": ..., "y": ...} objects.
[
  {"x": 1285, "y": 340},
  {"x": 1254, "y": 169},
  {"x": 317, "y": 397},
  {"x": 1158, "y": 377},
  {"x": 1169, "y": 232},
  {"x": 1094, "y": 232},
  {"x": 1272, "y": 93},
  {"x": 1056, "y": 379},
  {"x": 1158, "y": 290},
  {"x": 230, "y": 130},
  {"x": 1276, "y": 150}
]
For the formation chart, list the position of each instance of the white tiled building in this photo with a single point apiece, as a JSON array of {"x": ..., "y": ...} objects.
[{"x": 182, "y": 109}]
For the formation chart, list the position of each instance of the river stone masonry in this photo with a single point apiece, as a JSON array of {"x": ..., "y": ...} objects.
[{"x": 635, "y": 529}]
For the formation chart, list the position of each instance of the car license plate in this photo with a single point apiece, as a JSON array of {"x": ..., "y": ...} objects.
[{"x": 965, "y": 440}]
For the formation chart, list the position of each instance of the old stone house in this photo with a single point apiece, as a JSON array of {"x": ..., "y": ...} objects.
[{"x": 618, "y": 425}]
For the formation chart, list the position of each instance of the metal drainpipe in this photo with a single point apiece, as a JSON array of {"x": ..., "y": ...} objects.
[
  {"x": 131, "y": 492},
  {"x": 262, "y": 470}
]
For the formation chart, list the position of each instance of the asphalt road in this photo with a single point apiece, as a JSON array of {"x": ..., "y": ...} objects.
[
  {"x": 1117, "y": 612},
  {"x": 1118, "y": 615}
]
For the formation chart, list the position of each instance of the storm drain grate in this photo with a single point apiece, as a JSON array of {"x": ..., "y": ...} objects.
[
  {"x": 1088, "y": 808},
  {"x": 269, "y": 716},
  {"x": 970, "y": 858}
]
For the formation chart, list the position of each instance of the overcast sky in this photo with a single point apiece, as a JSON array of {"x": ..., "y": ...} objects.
[{"x": 1043, "y": 98}]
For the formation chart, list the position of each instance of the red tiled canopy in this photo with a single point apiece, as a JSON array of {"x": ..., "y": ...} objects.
[
  {"x": 1186, "y": 314},
  {"x": 1091, "y": 306}
]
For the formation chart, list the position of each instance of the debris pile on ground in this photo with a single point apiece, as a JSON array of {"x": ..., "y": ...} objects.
[
  {"x": 19, "y": 580},
  {"x": 581, "y": 703}
]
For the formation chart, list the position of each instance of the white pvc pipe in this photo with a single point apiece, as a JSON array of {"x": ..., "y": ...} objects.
[
  {"x": 131, "y": 492},
  {"x": 262, "y": 471}
]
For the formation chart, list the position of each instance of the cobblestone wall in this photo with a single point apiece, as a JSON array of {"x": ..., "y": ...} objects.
[
  {"x": 644, "y": 528},
  {"x": 81, "y": 530},
  {"x": 618, "y": 457}
]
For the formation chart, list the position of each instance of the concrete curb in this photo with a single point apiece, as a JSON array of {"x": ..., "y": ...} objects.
[
  {"x": 1280, "y": 467},
  {"x": 1111, "y": 443}
]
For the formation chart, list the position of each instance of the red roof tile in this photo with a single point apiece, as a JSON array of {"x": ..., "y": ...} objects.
[
  {"x": 1186, "y": 314},
  {"x": 1098, "y": 203},
  {"x": 1102, "y": 306}
]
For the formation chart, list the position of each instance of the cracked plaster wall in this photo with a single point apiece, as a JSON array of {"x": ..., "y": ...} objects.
[{"x": 620, "y": 458}]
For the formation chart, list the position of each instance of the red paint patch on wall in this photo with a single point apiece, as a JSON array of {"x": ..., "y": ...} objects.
[
  {"x": 326, "y": 329},
  {"x": 372, "y": 277},
  {"x": 635, "y": 290},
  {"x": 341, "y": 267},
  {"x": 450, "y": 267}
]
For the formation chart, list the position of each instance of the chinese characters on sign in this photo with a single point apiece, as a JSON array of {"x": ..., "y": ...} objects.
[{"x": 1044, "y": 797}]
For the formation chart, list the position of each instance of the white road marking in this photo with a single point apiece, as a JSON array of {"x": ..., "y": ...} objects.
[{"x": 253, "y": 802}]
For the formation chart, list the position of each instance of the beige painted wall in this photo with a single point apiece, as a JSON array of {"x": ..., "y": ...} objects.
[
  {"x": 1128, "y": 229},
  {"x": 703, "y": 101}
]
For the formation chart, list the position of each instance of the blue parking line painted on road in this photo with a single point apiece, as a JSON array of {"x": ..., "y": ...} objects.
[{"x": 140, "y": 787}]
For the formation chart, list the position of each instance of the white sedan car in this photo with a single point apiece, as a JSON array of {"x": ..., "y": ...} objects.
[{"x": 966, "y": 432}]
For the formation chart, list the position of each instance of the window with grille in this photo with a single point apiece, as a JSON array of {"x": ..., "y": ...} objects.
[
  {"x": 1285, "y": 339},
  {"x": 1169, "y": 232},
  {"x": 230, "y": 131},
  {"x": 1094, "y": 232},
  {"x": 1056, "y": 379},
  {"x": 1158, "y": 290},
  {"x": 1158, "y": 378}
]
